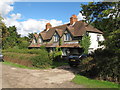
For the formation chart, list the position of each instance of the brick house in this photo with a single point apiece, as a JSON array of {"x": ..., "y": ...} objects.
[{"x": 67, "y": 36}]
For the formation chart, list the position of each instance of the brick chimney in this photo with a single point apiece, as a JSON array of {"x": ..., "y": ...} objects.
[
  {"x": 48, "y": 26},
  {"x": 73, "y": 19}
]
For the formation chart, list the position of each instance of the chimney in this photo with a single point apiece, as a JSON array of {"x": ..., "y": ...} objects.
[
  {"x": 73, "y": 19},
  {"x": 48, "y": 26}
]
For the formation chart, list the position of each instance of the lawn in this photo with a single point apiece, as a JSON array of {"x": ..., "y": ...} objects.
[{"x": 90, "y": 83}]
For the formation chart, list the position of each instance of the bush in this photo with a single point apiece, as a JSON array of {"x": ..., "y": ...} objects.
[
  {"x": 42, "y": 60},
  {"x": 23, "y": 51},
  {"x": 104, "y": 66},
  {"x": 56, "y": 55},
  {"x": 19, "y": 58}
]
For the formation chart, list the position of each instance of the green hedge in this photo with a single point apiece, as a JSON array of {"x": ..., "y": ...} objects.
[
  {"x": 42, "y": 60},
  {"x": 25, "y": 51}
]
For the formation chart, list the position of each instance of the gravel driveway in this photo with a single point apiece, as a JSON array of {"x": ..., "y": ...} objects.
[{"x": 61, "y": 77}]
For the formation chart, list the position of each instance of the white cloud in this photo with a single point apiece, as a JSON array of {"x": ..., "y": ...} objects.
[
  {"x": 24, "y": 27},
  {"x": 30, "y": 25},
  {"x": 80, "y": 17},
  {"x": 5, "y": 6}
]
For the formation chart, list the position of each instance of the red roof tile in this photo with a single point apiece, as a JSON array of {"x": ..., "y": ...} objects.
[
  {"x": 34, "y": 45},
  {"x": 70, "y": 45}
]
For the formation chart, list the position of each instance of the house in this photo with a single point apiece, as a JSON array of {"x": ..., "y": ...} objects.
[{"x": 67, "y": 37}]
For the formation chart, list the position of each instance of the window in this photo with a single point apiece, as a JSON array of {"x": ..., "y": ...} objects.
[
  {"x": 67, "y": 37},
  {"x": 55, "y": 38},
  {"x": 39, "y": 40},
  {"x": 34, "y": 41},
  {"x": 98, "y": 37}
]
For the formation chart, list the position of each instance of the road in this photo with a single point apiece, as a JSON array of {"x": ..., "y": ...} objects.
[{"x": 13, "y": 77}]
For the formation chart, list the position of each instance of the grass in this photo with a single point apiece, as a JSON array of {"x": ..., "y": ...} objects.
[
  {"x": 18, "y": 65},
  {"x": 89, "y": 83}
]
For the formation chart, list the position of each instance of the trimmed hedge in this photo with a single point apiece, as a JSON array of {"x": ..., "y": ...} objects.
[{"x": 23, "y": 51}]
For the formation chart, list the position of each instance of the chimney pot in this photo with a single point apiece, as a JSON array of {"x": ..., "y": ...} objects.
[
  {"x": 73, "y": 19},
  {"x": 48, "y": 26}
]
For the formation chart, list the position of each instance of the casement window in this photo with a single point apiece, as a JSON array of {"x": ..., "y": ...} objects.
[
  {"x": 67, "y": 37},
  {"x": 98, "y": 38},
  {"x": 56, "y": 38},
  {"x": 39, "y": 40},
  {"x": 34, "y": 41}
]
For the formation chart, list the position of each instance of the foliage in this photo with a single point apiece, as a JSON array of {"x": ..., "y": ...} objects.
[
  {"x": 89, "y": 83},
  {"x": 24, "y": 51},
  {"x": 11, "y": 38},
  {"x": 56, "y": 55},
  {"x": 58, "y": 64},
  {"x": 85, "y": 43},
  {"x": 60, "y": 42},
  {"x": 43, "y": 47},
  {"x": 104, "y": 65},
  {"x": 106, "y": 17},
  {"x": 114, "y": 41},
  {"x": 42, "y": 60},
  {"x": 19, "y": 58}
]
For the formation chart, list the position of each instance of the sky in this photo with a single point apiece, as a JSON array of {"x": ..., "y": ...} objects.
[{"x": 31, "y": 17}]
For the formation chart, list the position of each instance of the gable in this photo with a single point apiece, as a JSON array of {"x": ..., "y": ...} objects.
[{"x": 78, "y": 29}]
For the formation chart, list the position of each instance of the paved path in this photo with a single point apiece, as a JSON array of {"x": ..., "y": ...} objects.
[{"x": 13, "y": 77}]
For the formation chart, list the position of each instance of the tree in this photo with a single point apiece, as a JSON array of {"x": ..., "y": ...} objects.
[
  {"x": 85, "y": 43},
  {"x": 104, "y": 16}
]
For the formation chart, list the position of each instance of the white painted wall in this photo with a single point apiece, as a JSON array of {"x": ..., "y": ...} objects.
[
  {"x": 33, "y": 41},
  {"x": 39, "y": 40},
  {"x": 94, "y": 41}
]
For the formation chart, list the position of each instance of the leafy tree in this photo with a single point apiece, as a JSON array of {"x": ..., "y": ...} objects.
[
  {"x": 104, "y": 16},
  {"x": 23, "y": 42},
  {"x": 85, "y": 43}
]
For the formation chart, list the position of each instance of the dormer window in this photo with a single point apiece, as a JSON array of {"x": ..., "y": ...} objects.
[
  {"x": 34, "y": 41},
  {"x": 39, "y": 40},
  {"x": 56, "y": 38},
  {"x": 67, "y": 37}
]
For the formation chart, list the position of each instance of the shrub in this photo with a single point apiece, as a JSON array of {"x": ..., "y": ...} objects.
[
  {"x": 56, "y": 55},
  {"x": 23, "y": 51},
  {"x": 104, "y": 66},
  {"x": 42, "y": 60}
]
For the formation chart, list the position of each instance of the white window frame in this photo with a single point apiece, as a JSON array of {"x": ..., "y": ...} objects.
[
  {"x": 67, "y": 37},
  {"x": 98, "y": 38},
  {"x": 55, "y": 38}
]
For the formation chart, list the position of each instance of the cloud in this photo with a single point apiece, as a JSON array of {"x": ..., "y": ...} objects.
[
  {"x": 24, "y": 27},
  {"x": 80, "y": 16},
  {"x": 30, "y": 25},
  {"x": 5, "y": 6}
]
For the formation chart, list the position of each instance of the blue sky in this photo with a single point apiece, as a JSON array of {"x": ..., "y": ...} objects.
[
  {"x": 47, "y": 10},
  {"x": 31, "y": 17}
]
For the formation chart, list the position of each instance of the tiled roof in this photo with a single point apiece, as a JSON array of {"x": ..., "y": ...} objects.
[
  {"x": 36, "y": 35},
  {"x": 60, "y": 32},
  {"x": 34, "y": 45},
  {"x": 78, "y": 29},
  {"x": 55, "y": 45},
  {"x": 70, "y": 45}
]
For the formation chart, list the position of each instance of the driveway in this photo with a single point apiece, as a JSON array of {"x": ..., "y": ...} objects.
[{"x": 61, "y": 77}]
